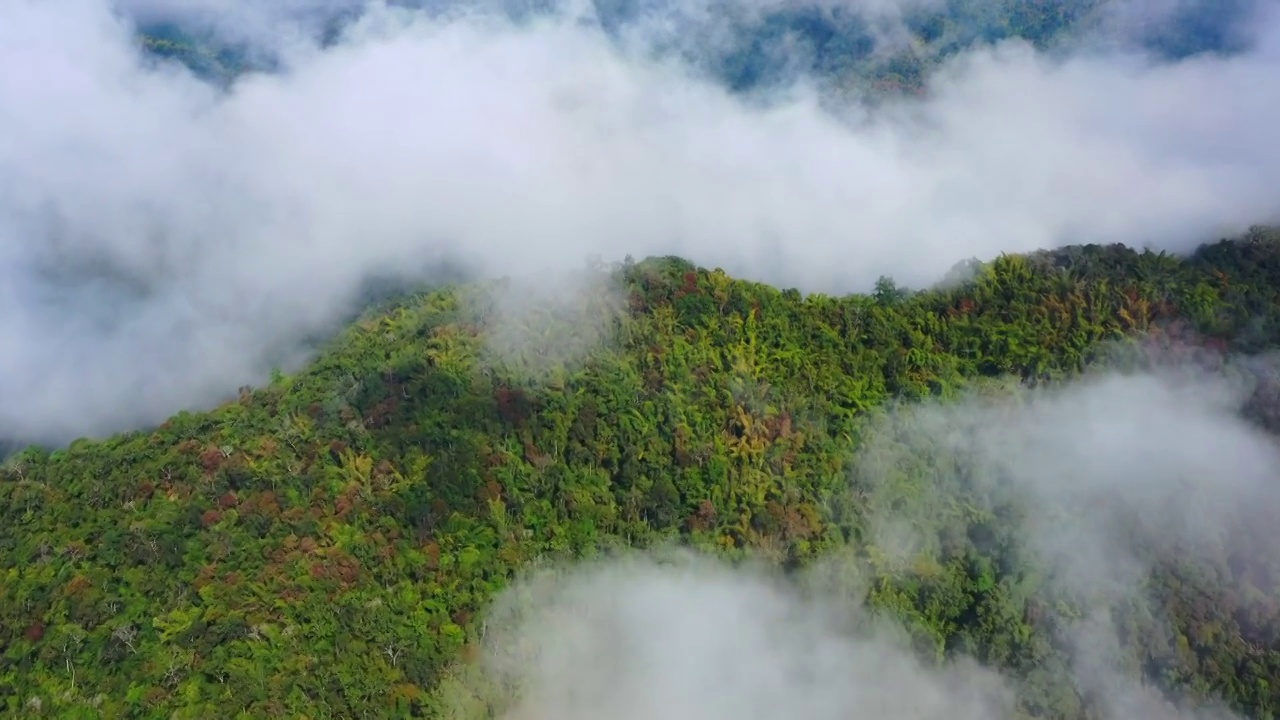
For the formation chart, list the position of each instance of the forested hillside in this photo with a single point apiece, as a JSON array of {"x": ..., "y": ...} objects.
[{"x": 326, "y": 546}]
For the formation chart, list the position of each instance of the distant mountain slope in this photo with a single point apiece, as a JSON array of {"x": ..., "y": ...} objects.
[
  {"x": 326, "y": 546},
  {"x": 830, "y": 42},
  {"x": 204, "y": 58}
]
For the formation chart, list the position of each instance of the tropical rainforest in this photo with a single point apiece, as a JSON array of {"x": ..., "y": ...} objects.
[{"x": 326, "y": 545}]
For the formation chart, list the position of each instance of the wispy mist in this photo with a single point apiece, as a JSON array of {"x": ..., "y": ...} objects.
[
  {"x": 1099, "y": 486},
  {"x": 163, "y": 241},
  {"x": 1088, "y": 493},
  {"x": 639, "y": 640}
]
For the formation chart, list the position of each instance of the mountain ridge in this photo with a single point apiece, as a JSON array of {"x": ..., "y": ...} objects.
[{"x": 328, "y": 545}]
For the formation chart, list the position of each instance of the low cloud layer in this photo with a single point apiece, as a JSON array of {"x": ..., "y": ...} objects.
[
  {"x": 1097, "y": 484},
  {"x": 1106, "y": 478},
  {"x": 638, "y": 640},
  {"x": 162, "y": 242}
]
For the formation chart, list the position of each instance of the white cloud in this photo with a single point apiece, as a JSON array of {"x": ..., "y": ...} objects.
[
  {"x": 639, "y": 640},
  {"x": 1110, "y": 477}
]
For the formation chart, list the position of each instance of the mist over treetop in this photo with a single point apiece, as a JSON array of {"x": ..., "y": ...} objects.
[{"x": 945, "y": 386}]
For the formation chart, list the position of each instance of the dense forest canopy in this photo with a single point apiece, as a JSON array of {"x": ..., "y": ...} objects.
[{"x": 1053, "y": 481}]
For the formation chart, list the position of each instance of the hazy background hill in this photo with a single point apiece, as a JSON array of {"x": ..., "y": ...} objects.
[{"x": 870, "y": 47}]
